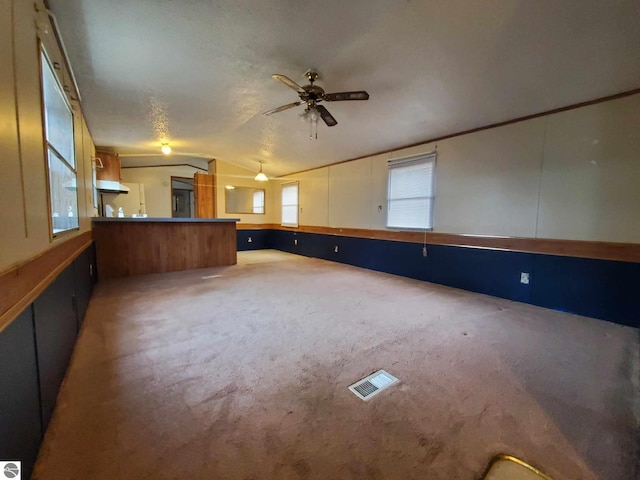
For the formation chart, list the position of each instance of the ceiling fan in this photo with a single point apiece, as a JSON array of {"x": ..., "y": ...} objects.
[{"x": 311, "y": 95}]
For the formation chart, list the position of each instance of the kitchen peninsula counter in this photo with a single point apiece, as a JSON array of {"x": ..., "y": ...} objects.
[{"x": 136, "y": 246}]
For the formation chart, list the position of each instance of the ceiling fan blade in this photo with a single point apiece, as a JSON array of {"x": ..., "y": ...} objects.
[
  {"x": 283, "y": 107},
  {"x": 340, "y": 96},
  {"x": 288, "y": 82},
  {"x": 326, "y": 116}
]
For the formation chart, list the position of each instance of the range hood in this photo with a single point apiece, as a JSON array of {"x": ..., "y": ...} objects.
[{"x": 111, "y": 186}]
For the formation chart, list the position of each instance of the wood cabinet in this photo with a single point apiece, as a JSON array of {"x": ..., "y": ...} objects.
[
  {"x": 110, "y": 167},
  {"x": 138, "y": 246}
]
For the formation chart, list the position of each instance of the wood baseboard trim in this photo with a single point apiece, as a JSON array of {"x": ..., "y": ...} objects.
[
  {"x": 257, "y": 226},
  {"x": 623, "y": 252},
  {"x": 20, "y": 285}
]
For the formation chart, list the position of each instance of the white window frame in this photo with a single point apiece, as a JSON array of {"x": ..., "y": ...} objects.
[
  {"x": 429, "y": 192},
  {"x": 297, "y": 204},
  {"x": 71, "y": 164}
]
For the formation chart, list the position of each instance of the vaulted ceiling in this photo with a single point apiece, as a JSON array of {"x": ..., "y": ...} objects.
[{"x": 199, "y": 71}]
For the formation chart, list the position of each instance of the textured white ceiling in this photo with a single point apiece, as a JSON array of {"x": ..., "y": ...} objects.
[{"x": 200, "y": 71}]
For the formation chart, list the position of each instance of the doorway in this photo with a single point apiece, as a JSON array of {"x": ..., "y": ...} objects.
[{"x": 182, "y": 197}]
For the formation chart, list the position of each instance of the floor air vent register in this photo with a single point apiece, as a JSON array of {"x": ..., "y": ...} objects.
[{"x": 372, "y": 385}]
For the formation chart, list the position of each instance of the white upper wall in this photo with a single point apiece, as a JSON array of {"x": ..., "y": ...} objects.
[
  {"x": 571, "y": 175},
  {"x": 314, "y": 206},
  {"x": 487, "y": 182},
  {"x": 590, "y": 186},
  {"x": 229, "y": 174},
  {"x": 157, "y": 185},
  {"x": 23, "y": 182},
  {"x": 350, "y": 194}
]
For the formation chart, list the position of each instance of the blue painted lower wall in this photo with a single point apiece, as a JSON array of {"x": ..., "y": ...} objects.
[
  {"x": 252, "y": 239},
  {"x": 34, "y": 353},
  {"x": 604, "y": 289}
]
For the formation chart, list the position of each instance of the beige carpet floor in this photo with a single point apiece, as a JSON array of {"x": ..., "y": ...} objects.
[{"x": 243, "y": 375}]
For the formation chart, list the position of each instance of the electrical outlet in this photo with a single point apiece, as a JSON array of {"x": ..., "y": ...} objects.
[
  {"x": 524, "y": 278},
  {"x": 249, "y": 240},
  {"x": 295, "y": 241},
  {"x": 335, "y": 249},
  {"x": 91, "y": 269},
  {"x": 424, "y": 251}
]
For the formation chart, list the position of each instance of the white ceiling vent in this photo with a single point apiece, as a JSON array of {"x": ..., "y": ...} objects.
[{"x": 373, "y": 384}]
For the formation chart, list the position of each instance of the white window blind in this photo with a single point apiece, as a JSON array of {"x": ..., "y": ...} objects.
[
  {"x": 290, "y": 204},
  {"x": 258, "y": 201},
  {"x": 410, "y": 193}
]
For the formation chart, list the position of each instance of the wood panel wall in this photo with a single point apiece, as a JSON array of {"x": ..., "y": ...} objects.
[
  {"x": 624, "y": 252},
  {"x": 21, "y": 284},
  {"x": 132, "y": 248},
  {"x": 205, "y": 195}
]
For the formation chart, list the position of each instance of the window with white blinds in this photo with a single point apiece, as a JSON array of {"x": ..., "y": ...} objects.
[
  {"x": 410, "y": 193},
  {"x": 258, "y": 201},
  {"x": 290, "y": 204}
]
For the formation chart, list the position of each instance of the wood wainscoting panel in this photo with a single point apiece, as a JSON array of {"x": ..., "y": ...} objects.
[
  {"x": 258, "y": 226},
  {"x": 21, "y": 284},
  {"x": 137, "y": 248},
  {"x": 623, "y": 252}
]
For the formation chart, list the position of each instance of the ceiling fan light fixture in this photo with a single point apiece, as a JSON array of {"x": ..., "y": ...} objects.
[
  {"x": 310, "y": 115},
  {"x": 311, "y": 95},
  {"x": 261, "y": 177}
]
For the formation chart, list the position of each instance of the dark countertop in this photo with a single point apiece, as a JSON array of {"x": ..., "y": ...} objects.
[{"x": 163, "y": 220}]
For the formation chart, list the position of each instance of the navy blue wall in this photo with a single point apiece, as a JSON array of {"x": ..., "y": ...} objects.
[
  {"x": 85, "y": 277},
  {"x": 596, "y": 288},
  {"x": 56, "y": 328},
  {"x": 603, "y": 289},
  {"x": 20, "y": 426},
  {"x": 34, "y": 353},
  {"x": 252, "y": 239}
]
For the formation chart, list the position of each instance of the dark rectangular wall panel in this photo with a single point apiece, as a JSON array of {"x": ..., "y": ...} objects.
[
  {"x": 311, "y": 245},
  {"x": 282, "y": 240},
  {"x": 398, "y": 258},
  {"x": 84, "y": 271},
  {"x": 252, "y": 239},
  {"x": 20, "y": 427},
  {"x": 493, "y": 272},
  {"x": 56, "y": 329},
  {"x": 603, "y": 289}
]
